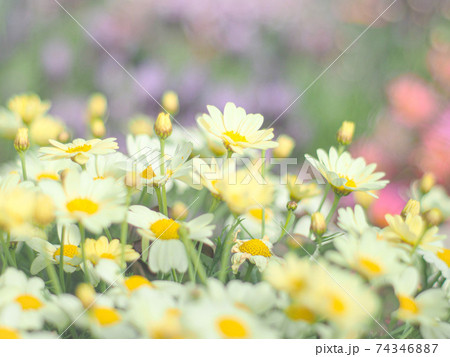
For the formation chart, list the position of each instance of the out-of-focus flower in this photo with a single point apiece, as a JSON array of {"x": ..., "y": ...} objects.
[
  {"x": 346, "y": 174},
  {"x": 237, "y": 129},
  {"x": 170, "y": 102},
  {"x": 413, "y": 101},
  {"x": 141, "y": 125},
  {"x": 101, "y": 248},
  {"x": 45, "y": 128},
  {"x": 28, "y": 107},
  {"x": 353, "y": 221},
  {"x": 167, "y": 251},
  {"x": 298, "y": 192},
  {"x": 389, "y": 200},
  {"x": 97, "y": 106},
  {"x": 79, "y": 150},
  {"x": 427, "y": 182},
  {"x": 285, "y": 146}
]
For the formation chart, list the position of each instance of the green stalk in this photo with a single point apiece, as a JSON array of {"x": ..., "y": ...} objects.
[
  {"x": 263, "y": 174},
  {"x": 124, "y": 231},
  {"x": 191, "y": 252},
  {"x": 24, "y": 166},
  {"x": 54, "y": 278},
  {"x": 226, "y": 252},
  {"x": 333, "y": 208},
  {"x": 159, "y": 197},
  {"x": 325, "y": 194},
  {"x": 248, "y": 274},
  {"x": 83, "y": 253},
  {"x": 163, "y": 172},
  {"x": 288, "y": 219},
  {"x": 61, "y": 259}
]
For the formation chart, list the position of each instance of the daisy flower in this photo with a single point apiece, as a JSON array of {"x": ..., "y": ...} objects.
[
  {"x": 237, "y": 129},
  {"x": 79, "y": 150},
  {"x": 439, "y": 259},
  {"x": 28, "y": 107},
  {"x": 101, "y": 248},
  {"x": 51, "y": 254},
  {"x": 208, "y": 319},
  {"x": 256, "y": 251},
  {"x": 94, "y": 203},
  {"x": 104, "y": 166},
  {"x": 353, "y": 221},
  {"x": 346, "y": 174},
  {"x": 372, "y": 258},
  {"x": 411, "y": 231},
  {"x": 167, "y": 251},
  {"x": 298, "y": 192},
  {"x": 253, "y": 220},
  {"x": 38, "y": 170}
]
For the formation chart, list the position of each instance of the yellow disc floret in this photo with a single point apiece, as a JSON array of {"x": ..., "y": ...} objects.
[
  {"x": 165, "y": 229},
  {"x": 82, "y": 205},
  {"x": 255, "y": 247},
  {"x": 232, "y": 327}
]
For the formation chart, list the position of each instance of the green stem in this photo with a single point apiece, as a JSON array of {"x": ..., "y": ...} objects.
[
  {"x": 61, "y": 259},
  {"x": 191, "y": 252},
  {"x": 174, "y": 275},
  {"x": 214, "y": 204},
  {"x": 248, "y": 274},
  {"x": 159, "y": 197},
  {"x": 288, "y": 219},
  {"x": 24, "y": 166},
  {"x": 229, "y": 153},
  {"x": 325, "y": 194},
  {"x": 54, "y": 279},
  {"x": 83, "y": 253},
  {"x": 263, "y": 174},
  {"x": 226, "y": 252},
  {"x": 108, "y": 234},
  {"x": 333, "y": 208},
  {"x": 141, "y": 197},
  {"x": 5, "y": 249},
  {"x": 163, "y": 172},
  {"x": 124, "y": 231}
]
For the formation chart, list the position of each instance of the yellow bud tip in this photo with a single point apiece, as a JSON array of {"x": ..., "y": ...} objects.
[
  {"x": 98, "y": 128},
  {"x": 434, "y": 217},
  {"x": 22, "y": 141},
  {"x": 141, "y": 125},
  {"x": 345, "y": 133},
  {"x": 163, "y": 126},
  {"x": 86, "y": 294},
  {"x": 285, "y": 146},
  {"x": 427, "y": 182},
  {"x": 412, "y": 207},
  {"x": 318, "y": 223},
  {"x": 170, "y": 102},
  {"x": 179, "y": 211},
  {"x": 97, "y": 106}
]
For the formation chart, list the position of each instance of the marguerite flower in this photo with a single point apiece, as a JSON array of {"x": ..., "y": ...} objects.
[
  {"x": 94, "y": 203},
  {"x": 38, "y": 170},
  {"x": 79, "y": 150},
  {"x": 167, "y": 251},
  {"x": 101, "y": 248},
  {"x": 28, "y": 107},
  {"x": 256, "y": 251},
  {"x": 237, "y": 129},
  {"x": 439, "y": 259},
  {"x": 51, "y": 254},
  {"x": 353, "y": 221},
  {"x": 346, "y": 174}
]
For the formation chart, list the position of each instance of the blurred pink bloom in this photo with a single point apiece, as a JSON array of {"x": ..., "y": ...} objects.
[
  {"x": 413, "y": 102},
  {"x": 439, "y": 66},
  {"x": 389, "y": 201}
]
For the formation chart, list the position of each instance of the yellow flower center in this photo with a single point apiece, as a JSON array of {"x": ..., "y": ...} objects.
[
  {"x": 99, "y": 178},
  {"x": 370, "y": 266},
  {"x": 136, "y": 281},
  {"x": 106, "y": 315},
  {"x": 8, "y": 334},
  {"x": 70, "y": 251},
  {"x": 79, "y": 148},
  {"x": 82, "y": 205},
  {"x": 257, "y": 214},
  {"x": 47, "y": 175},
  {"x": 107, "y": 255},
  {"x": 231, "y": 327},
  {"x": 408, "y": 304},
  {"x": 235, "y": 137},
  {"x": 29, "y": 302},
  {"x": 444, "y": 255},
  {"x": 165, "y": 229},
  {"x": 148, "y": 173},
  {"x": 255, "y": 247},
  {"x": 337, "y": 305},
  {"x": 343, "y": 190},
  {"x": 298, "y": 312}
]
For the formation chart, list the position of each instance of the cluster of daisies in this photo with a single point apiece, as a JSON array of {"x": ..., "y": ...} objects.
[{"x": 170, "y": 237}]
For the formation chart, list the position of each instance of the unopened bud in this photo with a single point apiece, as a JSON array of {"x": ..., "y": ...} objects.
[
  {"x": 97, "y": 106},
  {"x": 163, "y": 126},
  {"x": 427, "y": 182},
  {"x": 44, "y": 213},
  {"x": 412, "y": 207},
  {"x": 285, "y": 146},
  {"x": 434, "y": 217},
  {"x": 64, "y": 137},
  {"x": 318, "y": 223},
  {"x": 22, "y": 142},
  {"x": 141, "y": 125},
  {"x": 170, "y": 102},
  {"x": 98, "y": 128},
  {"x": 133, "y": 180},
  {"x": 291, "y": 206},
  {"x": 345, "y": 133},
  {"x": 179, "y": 211},
  {"x": 86, "y": 294}
]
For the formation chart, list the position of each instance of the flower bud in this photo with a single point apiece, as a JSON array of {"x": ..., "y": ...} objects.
[
  {"x": 141, "y": 125},
  {"x": 163, "y": 126},
  {"x": 285, "y": 146},
  {"x": 86, "y": 294},
  {"x": 44, "y": 128},
  {"x": 412, "y": 207},
  {"x": 133, "y": 180},
  {"x": 44, "y": 212},
  {"x": 64, "y": 137},
  {"x": 98, "y": 128},
  {"x": 291, "y": 206},
  {"x": 170, "y": 102},
  {"x": 97, "y": 106},
  {"x": 80, "y": 159},
  {"x": 179, "y": 211},
  {"x": 434, "y": 217},
  {"x": 28, "y": 107},
  {"x": 427, "y": 181},
  {"x": 22, "y": 142},
  {"x": 318, "y": 223},
  {"x": 345, "y": 133}
]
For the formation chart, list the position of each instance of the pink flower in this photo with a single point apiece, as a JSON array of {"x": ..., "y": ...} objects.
[{"x": 390, "y": 200}]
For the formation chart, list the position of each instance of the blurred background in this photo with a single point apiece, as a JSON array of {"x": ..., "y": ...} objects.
[{"x": 394, "y": 82}]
